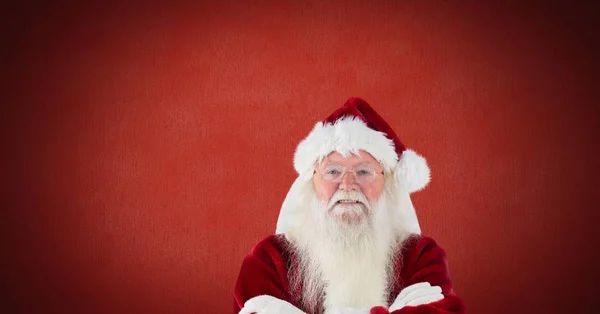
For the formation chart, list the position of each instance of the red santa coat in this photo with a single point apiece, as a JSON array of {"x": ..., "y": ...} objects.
[{"x": 265, "y": 271}]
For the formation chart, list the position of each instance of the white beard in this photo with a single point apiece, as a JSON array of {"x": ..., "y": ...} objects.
[{"x": 341, "y": 263}]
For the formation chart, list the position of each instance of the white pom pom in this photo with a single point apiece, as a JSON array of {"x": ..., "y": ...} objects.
[{"x": 412, "y": 171}]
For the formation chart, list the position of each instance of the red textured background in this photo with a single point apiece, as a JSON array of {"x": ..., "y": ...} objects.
[{"x": 149, "y": 147}]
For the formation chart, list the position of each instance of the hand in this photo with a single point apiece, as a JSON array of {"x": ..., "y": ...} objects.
[
  {"x": 266, "y": 304},
  {"x": 417, "y": 294}
]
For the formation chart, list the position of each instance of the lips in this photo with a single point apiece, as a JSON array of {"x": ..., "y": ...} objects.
[{"x": 348, "y": 202}]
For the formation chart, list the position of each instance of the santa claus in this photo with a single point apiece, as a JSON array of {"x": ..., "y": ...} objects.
[{"x": 348, "y": 240}]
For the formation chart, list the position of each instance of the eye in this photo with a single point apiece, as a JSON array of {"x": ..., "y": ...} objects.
[
  {"x": 363, "y": 172},
  {"x": 333, "y": 172}
]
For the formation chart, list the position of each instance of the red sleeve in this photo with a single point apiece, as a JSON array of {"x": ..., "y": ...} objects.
[
  {"x": 264, "y": 271},
  {"x": 424, "y": 261}
]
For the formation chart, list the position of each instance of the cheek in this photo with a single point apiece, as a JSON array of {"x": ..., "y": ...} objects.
[
  {"x": 323, "y": 190},
  {"x": 373, "y": 193},
  {"x": 369, "y": 194},
  {"x": 327, "y": 192}
]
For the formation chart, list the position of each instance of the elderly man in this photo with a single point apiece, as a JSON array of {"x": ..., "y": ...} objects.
[{"x": 348, "y": 239}]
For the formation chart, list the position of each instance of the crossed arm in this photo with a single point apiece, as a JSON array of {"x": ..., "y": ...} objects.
[{"x": 425, "y": 286}]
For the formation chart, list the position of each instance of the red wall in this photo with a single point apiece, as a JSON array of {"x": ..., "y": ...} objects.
[{"x": 149, "y": 147}]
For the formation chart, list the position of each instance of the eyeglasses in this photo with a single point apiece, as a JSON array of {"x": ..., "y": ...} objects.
[{"x": 363, "y": 173}]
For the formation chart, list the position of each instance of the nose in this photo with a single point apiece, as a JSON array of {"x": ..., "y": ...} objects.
[{"x": 348, "y": 182}]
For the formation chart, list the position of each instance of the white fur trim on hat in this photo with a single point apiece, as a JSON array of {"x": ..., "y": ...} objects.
[
  {"x": 346, "y": 136},
  {"x": 349, "y": 135},
  {"x": 412, "y": 171}
]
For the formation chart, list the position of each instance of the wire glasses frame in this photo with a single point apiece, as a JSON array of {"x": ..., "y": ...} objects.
[{"x": 363, "y": 173}]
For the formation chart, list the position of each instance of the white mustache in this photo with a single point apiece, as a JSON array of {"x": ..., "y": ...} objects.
[{"x": 348, "y": 195}]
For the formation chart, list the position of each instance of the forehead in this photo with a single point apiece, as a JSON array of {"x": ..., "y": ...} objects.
[{"x": 362, "y": 157}]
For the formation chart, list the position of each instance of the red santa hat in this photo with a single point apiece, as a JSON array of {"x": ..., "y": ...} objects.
[{"x": 354, "y": 127}]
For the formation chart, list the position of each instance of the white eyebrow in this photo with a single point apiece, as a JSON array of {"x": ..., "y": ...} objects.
[
  {"x": 331, "y": 163},
  {"x": 363, "y": 163}
]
